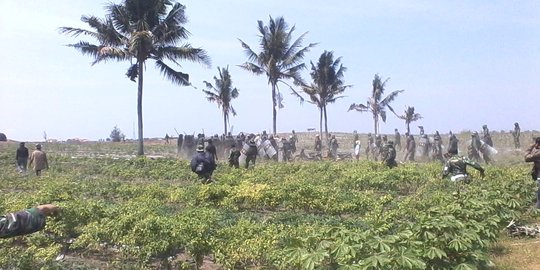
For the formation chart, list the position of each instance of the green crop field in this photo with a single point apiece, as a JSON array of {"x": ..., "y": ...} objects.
[{"x": 144, "y": 213}]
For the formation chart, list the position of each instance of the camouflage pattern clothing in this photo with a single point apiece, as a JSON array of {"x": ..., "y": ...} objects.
[
  {"x": 437, "y": 152},
  {"x": 318, "y": 144},
  {"x": 369, "y": 145},
  {"x": 21, "y": 223},
  {"x": 456, "y": 168},
  {"x": 425, "y": 147}
]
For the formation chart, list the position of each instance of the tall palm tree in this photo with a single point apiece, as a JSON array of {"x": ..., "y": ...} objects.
[
  {"x": 280, "y": 58},
  {"x": 409, "y": 116},
  {"x": 327, "y": 85},
  {"x": 222, "y": 94},
  {"x": 136, "y": 31},
  {"x": 376, "y": 104}
]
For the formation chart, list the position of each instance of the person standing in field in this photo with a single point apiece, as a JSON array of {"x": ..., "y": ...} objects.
[
  {"x": 411, "y": 149},
  {"x": 22, "y": 158},
  {"x": 26, "y": 221},
  {"x": 532, "y": 154},
  {"x": 211, "y": 149},
  {"x": 357, "y": 149},
  {"x": 487, "y": 136},
  {"x": 397, "y": 140},
  {"x": 318, "y": 145},
  {"x": 39, "y": 160},
  {"x": 369, "y": 145},
  {"x": 293, "y": 139},
  {"x": 234, "y": 156},
  {"x": 334, "y": 147},
  {"x": 453, "y": 143},
  {"x": 515, "y": 134},
  {"x": 437, "y": 148},
  {"x": 474, "y": 147}
]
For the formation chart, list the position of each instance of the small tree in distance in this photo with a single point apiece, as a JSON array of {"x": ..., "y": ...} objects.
[{"x": 116, "y": 134}]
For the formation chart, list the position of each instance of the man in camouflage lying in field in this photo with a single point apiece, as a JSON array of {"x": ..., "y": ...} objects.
[
  {"x": 456, "y": 167},
  {"x": 26, "y": 221}
]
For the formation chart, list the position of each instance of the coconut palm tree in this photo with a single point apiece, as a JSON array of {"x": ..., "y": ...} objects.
[
  {"x": 137, "y": 31},
  {"x": 376, "y": 104},
  {"x": 222, "y": 94},
  {"x": 409, "y": 116},
  {"x": 327, "y": 85},
  {"x": 280, "y": 58}
]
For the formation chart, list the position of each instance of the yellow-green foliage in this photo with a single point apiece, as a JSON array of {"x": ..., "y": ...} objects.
[{"x": 145, "y": 213}]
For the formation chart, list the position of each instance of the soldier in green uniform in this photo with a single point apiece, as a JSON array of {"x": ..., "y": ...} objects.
[
  {"x": 455, "y": 167},
  {"x": 437, "y": 148},
  {"x": 26, "y": 221},
  {"x": 369, "y": 145},
  {"x": 487, "y": 136},
  {"x": 474, "y": 147}
]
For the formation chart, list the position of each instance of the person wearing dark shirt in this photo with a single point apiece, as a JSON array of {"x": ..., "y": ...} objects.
[
  {"x": 211, "y": 148},
  {"x": 203, "y": 164},
  {"x": 22, "y": 158}
]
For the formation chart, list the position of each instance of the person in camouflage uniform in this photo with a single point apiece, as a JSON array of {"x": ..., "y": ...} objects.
[
  {"x": 487, "y": 136},
  {"x": 293, "y": 139},
  {"x": 356, "y": 137},
  {"x": 437, "y": 148},
  {"x": 286, "y": 148},
  {"x": 455, "y": 167},
  {"x": 389, "y": 155},
  {"x": 26, "y": 221},
  {"x": 369, "y": 145},
  {"x": 377, "y": 149},
  {"x": 516, "y": 133},
  {"x": 411, "y": 149}
]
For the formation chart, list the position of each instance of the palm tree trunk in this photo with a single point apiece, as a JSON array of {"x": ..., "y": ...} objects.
[
  {"x": 375, "y": 124},
  {"x": 225, "y": 123},
  {"x": 408, "y": 128},
  {"x": 325, "y": 122},
  {"x": 320, "y": 122},
  {"x": 274, "y": 112},
  {"x": 140, "y": 151}
]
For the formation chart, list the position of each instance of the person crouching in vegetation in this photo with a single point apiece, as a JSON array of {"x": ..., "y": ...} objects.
[
  {"x": 26, "y": 221},
  {"x": 532, "y": 154},
  {"x": 203, "y": 164},
  {"x": 456, "y": 167},
  {"x": 389, "y": 155}
]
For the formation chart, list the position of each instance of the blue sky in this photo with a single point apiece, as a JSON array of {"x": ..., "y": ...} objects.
[{"x": 462, "y": 64}]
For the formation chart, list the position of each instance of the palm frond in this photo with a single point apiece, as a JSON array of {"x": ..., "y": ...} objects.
[
  {"x": 359, "y": 107},
  {"x": 173, "y": 75},
  {"x": 252, "y": 68},
  {"x": 388, "y": 99},
  {"x": 185, "y": 52}
]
